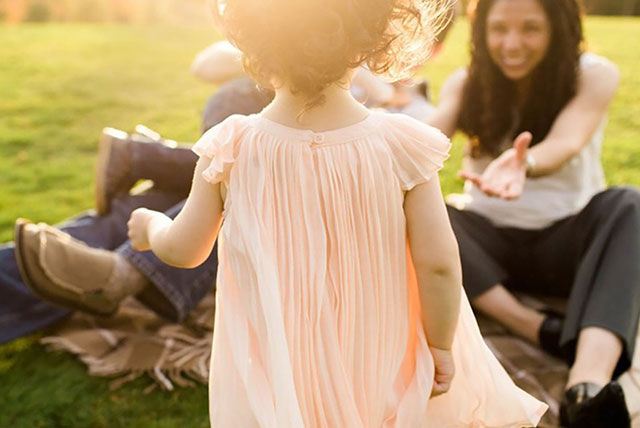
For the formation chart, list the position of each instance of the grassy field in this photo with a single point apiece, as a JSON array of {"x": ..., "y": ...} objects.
[{"x": 60, "y": 84}]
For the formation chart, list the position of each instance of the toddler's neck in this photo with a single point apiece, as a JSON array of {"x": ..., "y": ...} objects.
[{"x": 339, "y": 109}]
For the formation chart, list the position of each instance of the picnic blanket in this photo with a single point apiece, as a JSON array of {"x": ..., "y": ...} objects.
[{"x": 136, "y": 342}]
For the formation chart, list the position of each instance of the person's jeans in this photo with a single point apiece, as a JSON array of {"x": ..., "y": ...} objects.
[
  {"x": 22, "y": 313},
  {"x": 174, "y": 292}
]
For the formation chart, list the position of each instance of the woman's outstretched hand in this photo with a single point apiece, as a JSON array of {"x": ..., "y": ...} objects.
[
  {"x": 504, "y": 177},
  {"x": 444, "y": 370}
]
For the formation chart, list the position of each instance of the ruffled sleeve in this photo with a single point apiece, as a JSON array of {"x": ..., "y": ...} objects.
[
  {"x": 220, "y": 145},
  {"x": 418, "y": 150}
]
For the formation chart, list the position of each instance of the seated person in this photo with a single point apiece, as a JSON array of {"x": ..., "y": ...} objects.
[
  {"x": 221, "y": 63},
  {"x": 45, "y": 257},
  {"x": 538, "y": 216}
]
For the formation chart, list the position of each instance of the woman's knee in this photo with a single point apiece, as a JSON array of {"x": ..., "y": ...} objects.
[
  {"x": 628, "y": 201},
  {"x": 621, "y": 201}
]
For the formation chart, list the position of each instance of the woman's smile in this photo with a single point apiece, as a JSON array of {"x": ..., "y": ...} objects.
[{"x": 518, "y": 35}]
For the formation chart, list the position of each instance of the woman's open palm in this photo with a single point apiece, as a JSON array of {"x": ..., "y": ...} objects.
[{"x": 504, "y": 177}]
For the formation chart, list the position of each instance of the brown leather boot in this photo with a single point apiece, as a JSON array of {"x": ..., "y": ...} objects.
[
  {"x": 67, "y": 272},
  {"x": 113, "y": 174}
]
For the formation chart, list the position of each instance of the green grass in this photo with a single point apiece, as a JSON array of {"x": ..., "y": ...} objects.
[{"x": 60, "y": 84}]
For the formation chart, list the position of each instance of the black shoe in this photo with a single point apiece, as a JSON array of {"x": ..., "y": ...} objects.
[
  {"x": 574, "y": 400},
  {"x": 587, "y": 406},
  {"x": 550, "y": 332}
]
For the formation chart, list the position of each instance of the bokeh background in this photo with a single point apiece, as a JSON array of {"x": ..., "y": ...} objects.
[
  {"x": 186, "y": 12},
  {"x": 68, "y": 68}
]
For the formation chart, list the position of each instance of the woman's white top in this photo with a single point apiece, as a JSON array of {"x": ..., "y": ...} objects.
[{"x": 548, "y": 198}]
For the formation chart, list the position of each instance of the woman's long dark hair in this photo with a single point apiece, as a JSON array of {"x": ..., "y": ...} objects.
[{"x": 489, "y": 111}]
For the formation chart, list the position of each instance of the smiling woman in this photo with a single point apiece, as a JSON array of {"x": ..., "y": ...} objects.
[
  {"x": 518, "y": 36},
  {"x": 540, "y": 220},
  {"x": 516, "y": 45}
]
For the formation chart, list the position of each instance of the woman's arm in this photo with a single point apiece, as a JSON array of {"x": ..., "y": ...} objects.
[
  {"x": 445, "y": 118},
  {"x": 435, "y": 255},
  {"x": 378, "y": 92},
  {"x": 187, "y": 241},
  {"x": 573, "y": 128},
  {"x": 579, "y": 120}
]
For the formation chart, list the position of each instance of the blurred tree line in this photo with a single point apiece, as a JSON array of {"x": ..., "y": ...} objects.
[
  {"x": 613, "y": 7},
  {"x": 184, "y": 11},
  {"x": 603, "y": 7},
  {"x": 124, "y": 11}
]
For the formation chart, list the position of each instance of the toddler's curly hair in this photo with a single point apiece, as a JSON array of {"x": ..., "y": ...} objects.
[{"x": 310, "y": 44}]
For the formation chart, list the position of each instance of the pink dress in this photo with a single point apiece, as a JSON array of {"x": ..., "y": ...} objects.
[{"x": 317, "y": 315}]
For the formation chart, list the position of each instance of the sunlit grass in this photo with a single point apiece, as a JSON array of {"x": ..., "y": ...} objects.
[{"x": 60, "y": 84}]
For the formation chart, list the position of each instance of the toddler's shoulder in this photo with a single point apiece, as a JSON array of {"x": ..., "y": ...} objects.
[
  {"x": 220, "y": 144},
  {"x": 227, "y": 132},
  {"x": 418, "y": 150},
  {"x": 407, "y": 129}
]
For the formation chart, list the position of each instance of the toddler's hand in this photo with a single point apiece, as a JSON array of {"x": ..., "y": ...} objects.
[
  {"x": 138, "y": 225},
  {"x": 444, "y": 370}
]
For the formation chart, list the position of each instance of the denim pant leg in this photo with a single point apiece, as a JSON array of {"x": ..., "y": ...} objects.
[
  {"x": 180, "y": 290},
  {"x": 21, "y": 312}
]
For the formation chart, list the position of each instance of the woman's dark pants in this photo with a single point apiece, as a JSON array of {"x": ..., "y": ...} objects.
[{"x": 592, "y": 259}]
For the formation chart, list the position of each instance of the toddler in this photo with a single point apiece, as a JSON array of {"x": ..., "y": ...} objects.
[{"x": 339, "y": 300}]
